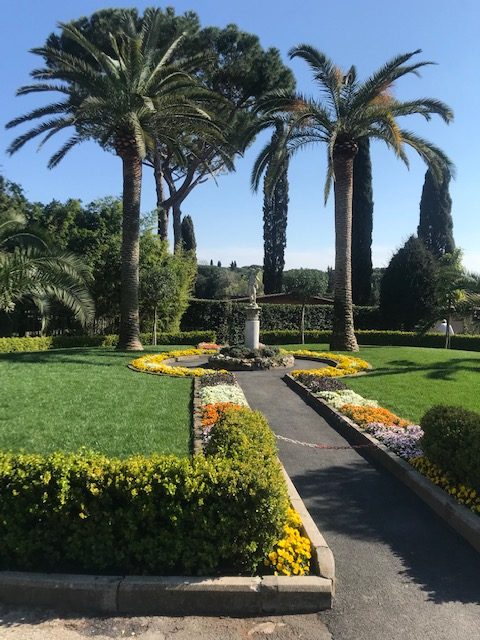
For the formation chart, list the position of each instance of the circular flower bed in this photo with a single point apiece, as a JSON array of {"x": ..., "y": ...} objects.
[
  {"x": 156, "y": 363},
  {"x": 338, "y": 365},
  {"x": 241, "y": 358}
]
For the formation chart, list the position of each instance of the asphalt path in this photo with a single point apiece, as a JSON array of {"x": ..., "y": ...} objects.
[{"x": 402, "y": 573}]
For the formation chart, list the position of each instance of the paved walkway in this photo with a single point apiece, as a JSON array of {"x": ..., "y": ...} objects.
[{"x": 402, "y": 574}]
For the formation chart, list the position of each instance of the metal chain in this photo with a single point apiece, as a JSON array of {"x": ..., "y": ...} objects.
[{"x": 311, "y": 445}]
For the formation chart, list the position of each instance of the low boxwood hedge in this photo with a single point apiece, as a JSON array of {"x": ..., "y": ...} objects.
[
  {"x": 374, "y": 337},
  {"x": 84, "y": 512},
  {"x": 9, "y": 345},
  {"x": 452, "y": 441}
]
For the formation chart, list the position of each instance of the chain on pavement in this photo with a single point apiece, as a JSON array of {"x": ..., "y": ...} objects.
[{"x": 312, "y": 445}]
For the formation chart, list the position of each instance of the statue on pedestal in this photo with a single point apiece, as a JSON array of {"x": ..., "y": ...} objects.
[{"x": 253, "y": 282}]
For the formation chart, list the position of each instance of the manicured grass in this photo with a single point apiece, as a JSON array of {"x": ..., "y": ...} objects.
[
  {"x": 71, "y": 398},
  {"x": 410, "y": 380}
]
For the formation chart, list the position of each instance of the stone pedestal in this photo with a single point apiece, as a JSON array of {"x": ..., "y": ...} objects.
[{"x": 252, "y": 326}]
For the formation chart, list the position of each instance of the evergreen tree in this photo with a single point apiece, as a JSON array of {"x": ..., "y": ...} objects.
[
  {"x": 436, "y": 226},
  {"x": 362, "y": 224},
  {"x": 330, "y": 281},
  {"x": 275, "y": 210},
  {"x": 188, "y": 234},
  {"x": 408, "y": 290},
  {"x": 211, "y": 263}
]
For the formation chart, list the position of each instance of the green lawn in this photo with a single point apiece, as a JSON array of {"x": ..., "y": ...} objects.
[
  {"x": 71, "y": 398},
  {"x": 410, "y": 380}
]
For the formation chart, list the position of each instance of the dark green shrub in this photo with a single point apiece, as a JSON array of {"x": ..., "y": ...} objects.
[
  {"x": 9, "y": 345},
  {"x": 143, "y": 515},
  {"x": 452, "y": 441},
  {"x": 383, "y": 338},
  {"x": 242, "y": 433}
]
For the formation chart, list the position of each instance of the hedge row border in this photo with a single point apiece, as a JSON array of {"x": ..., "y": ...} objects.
[
  {"x": 457, "y": 516},
  {"x": 169, "y": 595}
]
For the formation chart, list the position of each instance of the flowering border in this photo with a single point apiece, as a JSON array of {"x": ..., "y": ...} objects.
[
  {"x": 337, "y": 365},
  {"x": 462, "y": 517},
  {"x": 155, "y": 363}
]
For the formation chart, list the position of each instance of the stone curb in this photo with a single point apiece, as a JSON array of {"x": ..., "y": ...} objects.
[{"x": 457, "y": 516}]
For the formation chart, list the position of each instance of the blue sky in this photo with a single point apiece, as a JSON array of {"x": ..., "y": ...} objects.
[{"x": 227, "y": 216}]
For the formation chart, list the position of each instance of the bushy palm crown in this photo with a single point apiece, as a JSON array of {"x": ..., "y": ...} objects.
[
  {"x": 29, "y": 268},
  {"x": 121, "y": 101},
  {"x": 348, "y": 110}
]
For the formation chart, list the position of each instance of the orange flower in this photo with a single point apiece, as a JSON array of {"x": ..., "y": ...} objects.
[
  {"x": 363, "y": 416},
  {"x": 211, "y": 413}
]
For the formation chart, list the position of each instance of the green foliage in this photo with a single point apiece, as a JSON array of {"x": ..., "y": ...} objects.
[
  {"x": 145, "y": 515},
  {"x": 188, "y": 234},
  {"x": 452, "y": 441},
  {"x": 166, "y": 283},
  {"x": 408, "y": 291},
  {"x": 241, "y": 351},
  {"x": 305, "y": 282},
  {"x": 227, "y": 318},
  {"x": 435, "y": 228},
  {"x": 374, "y": 337},
  {"x": 11, "y": 345},
  {"x": 362, "y": 225},
  {"x": 34, "y": 269}
]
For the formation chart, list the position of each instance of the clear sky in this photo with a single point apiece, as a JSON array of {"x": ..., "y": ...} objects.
[{"x": 227, "y": 216}]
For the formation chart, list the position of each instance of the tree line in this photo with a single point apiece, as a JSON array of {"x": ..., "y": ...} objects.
[{"x": 160, "y": 91}]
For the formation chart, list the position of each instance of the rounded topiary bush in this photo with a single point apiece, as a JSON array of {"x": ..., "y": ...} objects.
[{"x": 452, "y": 441}]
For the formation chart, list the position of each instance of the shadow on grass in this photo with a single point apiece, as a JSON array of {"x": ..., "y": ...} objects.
[
  {"x": 441, "y": 370},
  {"x": 361, "y": 502},
  {"x": 96, "y": 356}
]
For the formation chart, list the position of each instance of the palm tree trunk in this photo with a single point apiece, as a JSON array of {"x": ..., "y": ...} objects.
[
  {"x": 129, "y": 338},
  {"x": 162, "y": 212},
  {"x": 343, "y": 336}
]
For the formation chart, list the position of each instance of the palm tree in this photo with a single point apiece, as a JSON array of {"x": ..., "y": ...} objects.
[
  {"x": 30, "y": 269},
  {"x": 350, "y": 110},
  {"x": 123, "y": 102}
]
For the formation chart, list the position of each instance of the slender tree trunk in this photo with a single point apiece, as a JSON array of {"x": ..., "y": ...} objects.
[
  {"x": 129, "y": 338},
  {"x": 343, "y": 336},
  {"x": 177, "y": 227},
  {"x": 162, "y": 212}
]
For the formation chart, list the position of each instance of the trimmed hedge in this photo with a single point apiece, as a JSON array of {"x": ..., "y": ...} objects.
[
  {"x": 452, "y": 441},
  {"x": 383, "y": 338},
  {"x": 9, "y": 345},
  {"x": 85, "y": 512},
  {"x": 227, "y": 318}
]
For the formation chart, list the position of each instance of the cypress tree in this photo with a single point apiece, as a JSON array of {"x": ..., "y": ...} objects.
[
  {"x": 362, "y": 224},
  {"x": 188, "y": 234},
  {"x": 275, "y": 214},
  {"x": 436, "y": 226},
  {"x": 408, "y": 290}
]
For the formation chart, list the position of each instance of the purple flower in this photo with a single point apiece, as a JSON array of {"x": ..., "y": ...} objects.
[{"x": 402, "y": 441}]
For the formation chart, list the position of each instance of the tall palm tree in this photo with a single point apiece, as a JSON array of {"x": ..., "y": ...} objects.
[
  {"x": 122, "y": 101},
  {"x": 31, "y": 269},
  {"x": 349, "y": 111}
]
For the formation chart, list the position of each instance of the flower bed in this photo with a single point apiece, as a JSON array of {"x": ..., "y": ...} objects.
[
  {"x": 398, "y": 435},
  {"x": 338, "y": 365},
  {"x": 291, "y": 553},
  {"x": 156, "y": 363}
]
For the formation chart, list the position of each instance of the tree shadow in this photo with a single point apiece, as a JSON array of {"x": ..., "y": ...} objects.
[
  {"x": 362, "y": 502},
  {"x": 440, "y": 370}
]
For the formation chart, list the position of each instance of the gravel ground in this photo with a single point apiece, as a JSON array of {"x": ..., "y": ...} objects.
[{"x": 24, "y": 624}]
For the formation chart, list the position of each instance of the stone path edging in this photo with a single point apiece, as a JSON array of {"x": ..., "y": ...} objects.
[{"x": 461, "y": 519}]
